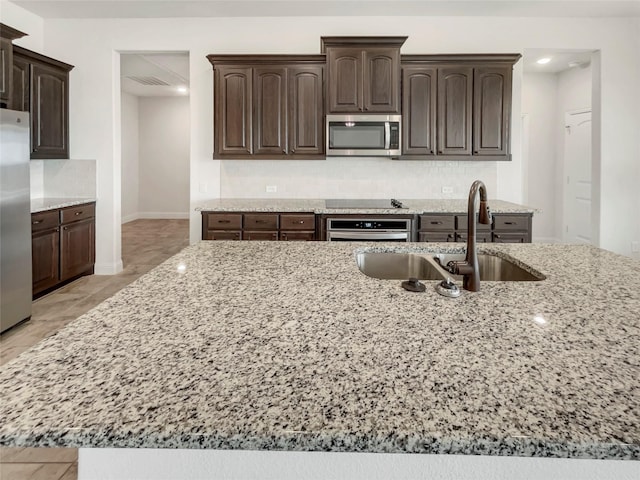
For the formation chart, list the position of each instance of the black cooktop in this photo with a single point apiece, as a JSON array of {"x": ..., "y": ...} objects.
[{"x": 380, "y": 203}]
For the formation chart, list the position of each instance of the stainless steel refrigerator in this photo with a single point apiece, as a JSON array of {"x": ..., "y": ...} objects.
[{"x": 15, "y": 219}]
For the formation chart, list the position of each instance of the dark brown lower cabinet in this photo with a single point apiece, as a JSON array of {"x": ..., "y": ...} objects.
[
  {"x": 506, "y": 228},
  {"x": 77, "y": 248},
  {"x": 63, "y": 245},
  {"x": 45, "y": 248},
  {"x": 258, "y": 226}
]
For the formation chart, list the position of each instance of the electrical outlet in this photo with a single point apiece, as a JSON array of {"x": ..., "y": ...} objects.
[
  {"x": 272, "y": 188},
  {"x": 447, "y": 189},
  {"x": 635, "y": 246}
]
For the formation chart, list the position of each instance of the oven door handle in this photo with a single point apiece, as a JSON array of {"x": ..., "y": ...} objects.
[{"x": 364, "y": 237}]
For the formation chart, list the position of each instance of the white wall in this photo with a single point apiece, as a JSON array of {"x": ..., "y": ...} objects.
[
  {"x": 95, "y": 128},
  {"x": 164, "y": 128},
  {"x": 26, "y": 22},
  {"x": 539, "y": 100},
  {"x": 130, "y": 154}
]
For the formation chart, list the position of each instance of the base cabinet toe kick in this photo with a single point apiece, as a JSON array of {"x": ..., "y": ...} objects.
[{"x": 424, "y": 227}]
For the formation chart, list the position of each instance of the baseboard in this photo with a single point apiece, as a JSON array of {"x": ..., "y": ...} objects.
[
  {"x": 108, "y": 268},
  {"x": 164, "y": 215},
  {"x": 129, "y": 218}
]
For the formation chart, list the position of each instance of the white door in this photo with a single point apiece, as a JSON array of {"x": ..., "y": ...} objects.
[{"x": 577, "y": 161}]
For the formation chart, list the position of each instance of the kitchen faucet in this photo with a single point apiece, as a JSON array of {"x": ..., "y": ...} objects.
[{"x": 468, "y": 267}]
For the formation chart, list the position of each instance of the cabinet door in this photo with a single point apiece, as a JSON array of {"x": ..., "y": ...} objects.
[
  {"x": 20, "y": 94},
  {"x": 305, "y": 236},
  {"x": 49, "y": 112},
  {"x": 233, "y": 112},
  {"x": 455, "y": 88},
  {"x": 306, "y": 110},
  {"x": 381, "y": 80},
  {"x": 492, "y": 104},
  {"x": 222, "y": 235},
  {"x": 6, "y": 77},
  {"x": 45, "y": 255},
  {"x": 419, "y": 110},
  {"x": 77, "y": 248},
  {"x": 259, "y": 235},
  {"x": 436, "y": 237},
  {"x": 270, "y": 110},
  {"x": 345, "y": 80}
]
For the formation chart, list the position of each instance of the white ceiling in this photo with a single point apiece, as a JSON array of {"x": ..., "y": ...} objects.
[
  {"x": 143, "y": 73},
  {"x": 288, "y": 8},
  {"x": 560, "y": 60}
]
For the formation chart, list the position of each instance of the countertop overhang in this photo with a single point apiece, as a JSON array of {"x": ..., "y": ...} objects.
[
  {"x": 318, "y": 206},
  {"x": 288, "y": 346}
]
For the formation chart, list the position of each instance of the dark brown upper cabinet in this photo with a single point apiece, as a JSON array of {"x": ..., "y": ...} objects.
[
  {"x": 363, "y": 73},
  {"x": 457, "y": 107},
  {"x": 41, "y": 87},
  {"x": 491, "y": 110},
  {"x": 268, "y": 106},
  {"x": 419, "y": 110},
  {"x": 455, "y": 90},
  {"x": 7, "y": 35}
]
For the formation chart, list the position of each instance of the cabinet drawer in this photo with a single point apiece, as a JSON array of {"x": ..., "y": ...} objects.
[
  {"x": 79, "y": 212},
  {"x": 461, "y": 224},
  {"x": 510, "y": 238},
  {"x": 511, "y": 222},
  {"x": 223, "y": 221},
  {"x": 44, "y": 220},
  {"x": 298, "y": 235},
  {"x": 259, "y": 235},
  {"x": 297, "y": 222},
  {"x": 481, "y": 237},
  {"x": 436, "y": 237},
  {"x": 437, "y": 222},
  {"x": 222, "y": 235},
  {"x": 260, "y": 221}
]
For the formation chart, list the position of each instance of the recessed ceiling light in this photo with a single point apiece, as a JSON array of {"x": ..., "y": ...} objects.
[
  {"x": 182, "y": 89},
  {"x": 544, "y": 60}
]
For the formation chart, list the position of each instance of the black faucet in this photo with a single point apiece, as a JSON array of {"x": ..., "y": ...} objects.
[{"x": 468, "y": 267}]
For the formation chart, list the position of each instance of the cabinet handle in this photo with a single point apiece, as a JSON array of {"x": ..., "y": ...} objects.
[
  {"x": 300, "y": 222},
  {"x": 293, "y": 150},
  {"x": 284, "y": 236},
  {"x": 224, "y": 221},
  {"x": 36, "y": 222},
  {"x": 57, "y": 230},
  {"x": 509, "y": 223},
  {"x": 475, "y": 151},
  {"x": 436, "y": 223},
  {"x": 79, "y": 213},
  {"x": 65, "y": 228},
  {"x": 497, "y": 235},
  {"x": 261, "y": 221}
]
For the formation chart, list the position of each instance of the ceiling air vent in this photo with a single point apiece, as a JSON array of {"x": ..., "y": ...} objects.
[{"x": 148, "y": 80}]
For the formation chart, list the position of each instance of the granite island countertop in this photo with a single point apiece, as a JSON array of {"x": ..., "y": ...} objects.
[
  {"x": 288, "y": 346},
  {"x": 317, "y": 206}
]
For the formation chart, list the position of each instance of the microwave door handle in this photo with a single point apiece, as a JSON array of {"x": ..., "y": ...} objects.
[{"x": 387, "y": 135}]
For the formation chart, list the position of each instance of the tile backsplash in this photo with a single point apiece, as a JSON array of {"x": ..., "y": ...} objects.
[
  {"x": 63, "y": 178},
  {"x": 338, "y": 177}
]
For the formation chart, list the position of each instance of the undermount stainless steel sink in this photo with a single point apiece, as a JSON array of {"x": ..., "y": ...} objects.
[
  {"x": 432, "y": 266},
  {"x": 492, "y": 268},
  {"x": 398, "y": 266}
]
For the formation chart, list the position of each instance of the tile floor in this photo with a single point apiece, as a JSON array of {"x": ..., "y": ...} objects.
[{"x": 145, "y": 244}]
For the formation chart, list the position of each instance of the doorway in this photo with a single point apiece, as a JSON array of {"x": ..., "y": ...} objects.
[
  {"x": 155, "y": 135},
  {"x": 578, "y": 186}
]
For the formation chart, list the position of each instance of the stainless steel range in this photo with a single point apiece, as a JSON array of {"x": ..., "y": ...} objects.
[{"x": 369, "y": 227}]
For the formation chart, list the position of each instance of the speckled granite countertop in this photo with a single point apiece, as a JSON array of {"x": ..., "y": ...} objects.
[
  {"x": 318, "y": 206},
  {"x": 288, "y": 346},
  {"x": 50, "y": 203}
]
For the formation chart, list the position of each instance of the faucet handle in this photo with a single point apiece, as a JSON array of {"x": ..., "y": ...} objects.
[{"x": 485, "y": 213}]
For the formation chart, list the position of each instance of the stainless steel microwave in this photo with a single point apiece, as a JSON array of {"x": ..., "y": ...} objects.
[{"x": 363, "y": 135}]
